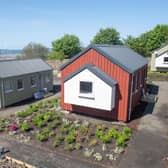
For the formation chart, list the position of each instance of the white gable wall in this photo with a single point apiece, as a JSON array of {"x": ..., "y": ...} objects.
[
  {"x": 102, "y": 97},
  {"x": 159, "y": 61}
]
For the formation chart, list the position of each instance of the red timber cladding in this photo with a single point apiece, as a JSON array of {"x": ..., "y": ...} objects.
[
  {"x": 113, "y": 70},
  {"x": 141, "y": 83}
]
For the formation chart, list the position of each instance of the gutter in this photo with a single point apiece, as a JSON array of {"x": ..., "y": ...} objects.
[{"x": 130, "y": 102}]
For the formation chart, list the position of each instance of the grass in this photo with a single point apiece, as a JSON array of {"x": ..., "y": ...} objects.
[{"x": 157, "y": 76}]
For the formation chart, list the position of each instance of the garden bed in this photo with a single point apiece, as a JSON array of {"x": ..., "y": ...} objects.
[{"x": 43, "y": 123}]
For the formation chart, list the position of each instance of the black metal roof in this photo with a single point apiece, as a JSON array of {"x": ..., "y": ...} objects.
[
  {"x": 120, "y": 55},
  {"x": 10, "y": 68},
  {"x": 107, "y": 79}
]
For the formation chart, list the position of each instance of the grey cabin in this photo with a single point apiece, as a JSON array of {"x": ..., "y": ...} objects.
[{"x": 20, "y": 79}]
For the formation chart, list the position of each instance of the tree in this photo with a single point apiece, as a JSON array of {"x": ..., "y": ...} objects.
[
  {"x": 107, "y": 36},
  {"x": 35, "y": 50},
  {"x": 65, "y": 47},
  {"x": 147, "y": 42}
]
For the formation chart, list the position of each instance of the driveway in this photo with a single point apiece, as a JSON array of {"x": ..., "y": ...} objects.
[{"x": 150, "y": 143}]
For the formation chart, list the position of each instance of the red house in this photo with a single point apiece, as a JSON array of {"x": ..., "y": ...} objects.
[{"x": 104, "y": 81}]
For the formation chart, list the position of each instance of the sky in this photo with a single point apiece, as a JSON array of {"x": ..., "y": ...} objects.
[{"x": 43, "y": 21}]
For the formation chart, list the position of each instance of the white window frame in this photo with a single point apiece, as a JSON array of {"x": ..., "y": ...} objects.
[
  {"x": 20, "y": 89},
  {"x": 35, "y": 80},
  {"x": 165, "y": 62},
  {"x": 47, "y": 78},
  {"x": 10, "y": 82},
  {"x": 87, "y": 95}
]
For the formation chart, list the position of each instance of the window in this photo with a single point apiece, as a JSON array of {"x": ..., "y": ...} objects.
[
  {"x": 165, "y": 59},
  {"x": 8, "y": 85},
  {"x": 47, "y": 78},
  {"x": 19, "y": 84},
  {"x": 33, "y": 81},
  {"x": 85, "y": 87}
]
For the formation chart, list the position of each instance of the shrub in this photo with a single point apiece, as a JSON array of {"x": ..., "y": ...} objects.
[
  {"x": 105, "y": 138},
  {"x": 54, "y": 124},
  {"x": 113, "y": 133},
  {"x": 70, "y": 138},
  {"x": 78, "y": 146},
  {"x": 93, "y": 142},
  {"x": 84, "y": 129},
  {"x": 13, "y": 127},
  {"x": 42, "y": 137},
  {"x": 25, "y": 126},
  {"x": 127, "y": 131},
  {"x": 121, "y": 140},
  {"x": 58, "y": 140},
  {"x": 64, "y": 129},
  {"x": 99, "y": 130},
  {"x": 41, "y": 123},
  {"x": 47, "y": 117},
  {"x": 69, "y": 147},
  {"x": 25, "y": 113}
]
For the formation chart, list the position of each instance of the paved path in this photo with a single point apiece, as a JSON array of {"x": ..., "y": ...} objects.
[
  {"x": 150, "y": 144},
  {"x": 42, "y": 157}
]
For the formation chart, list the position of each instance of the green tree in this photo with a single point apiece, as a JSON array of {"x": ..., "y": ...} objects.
[
  {"x": 35, "y": 50},
  {"x": 147, "y": 42},
  {"x": 65, "y": 47},
  {"x": 107, "y": 36}
]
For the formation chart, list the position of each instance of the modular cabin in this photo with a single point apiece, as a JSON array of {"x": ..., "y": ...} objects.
[
  {"x": 20, "y": 79},
  {"x": 159, "y": 60},
  {"x": 104, "y": 81}
]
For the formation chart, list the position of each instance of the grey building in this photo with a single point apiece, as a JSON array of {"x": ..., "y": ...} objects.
[{"x": 20, "y": 79}]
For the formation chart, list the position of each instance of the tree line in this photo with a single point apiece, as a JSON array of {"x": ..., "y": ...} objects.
[{"x": 69, "y": 45}]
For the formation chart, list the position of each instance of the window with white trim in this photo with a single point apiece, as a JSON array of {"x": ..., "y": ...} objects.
[
  {"x": 48, "y": 78},
  {"x": 8, "y": 85},
  {"x": 33, "y": 81},
  {"x": 85, "y": 87},
  {"x": 166, "y": 60},
  {"x": 20, "y": 84}
]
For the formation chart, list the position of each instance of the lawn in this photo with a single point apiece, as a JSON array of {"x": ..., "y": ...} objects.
[
  {"x": 157, "y": 76},
  {"x": 44, "y": 123}
]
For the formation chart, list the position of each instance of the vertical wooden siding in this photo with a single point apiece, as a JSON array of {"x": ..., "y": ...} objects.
[{"x": 113, "y": 70}]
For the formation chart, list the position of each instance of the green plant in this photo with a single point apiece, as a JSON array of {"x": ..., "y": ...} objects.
[
  {"x": 84, "y": 129},
  {"x": 42, "y": 137},
  {"x": 25, "y": 113},
  {"x": 70, "y": 138},
  {"x": 41, "y": 123},
  {"x": 47, "y": 117},
  {"x": 54, "y": 124},
  {"x": 105, "y": 138},
  {"x": 25, "y": 126},
  {"x": 127, "y": 131},
  {"x": 99, "y": 130},
  {"x": 121, "y": 140},
  {"x": 78, "y": 146},
  {"x": 93, "y": 142},
  {"x": 69, "y": 147},
  {"x": 58, "y": 140},
  {"x": 64, "y": 129},
  {"x": 112, "y": 132}
]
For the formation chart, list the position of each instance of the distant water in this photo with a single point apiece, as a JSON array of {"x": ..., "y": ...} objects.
[{"x": 7, "y": 52}]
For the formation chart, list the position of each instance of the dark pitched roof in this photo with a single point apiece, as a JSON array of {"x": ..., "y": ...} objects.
[
  {"x": 107, "y": 79},
  {"x": 121, "y": 55},
  {"x": 9, "y": 68}
]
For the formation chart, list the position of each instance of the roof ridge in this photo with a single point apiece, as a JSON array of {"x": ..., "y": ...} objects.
[
  {"x": 109, "y": 45},
  {"x": 22, "y": 59}
]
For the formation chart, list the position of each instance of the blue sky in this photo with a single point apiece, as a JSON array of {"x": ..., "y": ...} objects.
[{"x": 43, "y": 21}]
